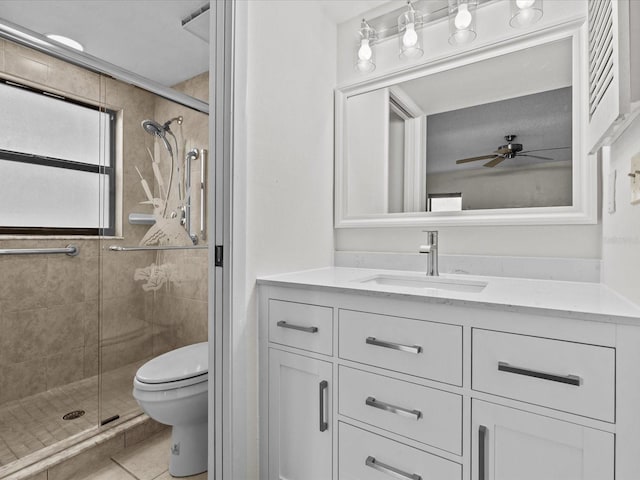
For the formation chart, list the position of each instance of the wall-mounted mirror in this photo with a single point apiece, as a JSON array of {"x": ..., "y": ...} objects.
[{"x": 494, "y": 139}]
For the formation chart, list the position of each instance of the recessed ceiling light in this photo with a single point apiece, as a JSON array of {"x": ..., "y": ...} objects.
[{"x": 66, "y": 41}]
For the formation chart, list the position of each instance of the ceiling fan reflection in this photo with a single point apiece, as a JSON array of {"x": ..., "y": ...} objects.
[{"x": 508, "y": 151}]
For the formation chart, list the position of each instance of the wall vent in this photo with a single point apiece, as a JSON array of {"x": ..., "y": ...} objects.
[{"x": 601, "y": 72}]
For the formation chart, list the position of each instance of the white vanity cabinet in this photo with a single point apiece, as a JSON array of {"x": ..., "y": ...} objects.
[
  {"x": 417, "y": 389},
  {"x": 300, "y": 439},
  {"x": 511, "y": 444}
]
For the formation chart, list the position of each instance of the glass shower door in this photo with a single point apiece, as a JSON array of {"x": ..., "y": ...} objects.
[{"x": 154, "y": 270}]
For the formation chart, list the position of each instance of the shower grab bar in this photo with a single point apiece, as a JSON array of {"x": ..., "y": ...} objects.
[
  {"x": 117, "y": 248},
  {"x": 204, "y": 153},
  {"x": 71, "y": 250}
]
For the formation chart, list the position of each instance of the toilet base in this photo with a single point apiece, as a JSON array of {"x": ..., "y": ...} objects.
[{"x": 188, "y": 450}]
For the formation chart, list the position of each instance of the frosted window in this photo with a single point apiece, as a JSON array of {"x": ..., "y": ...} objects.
[
  {"x": 38, "y": 196},
  {"x": 56, "y": 165},
  {"x": 46, "y": 126}
]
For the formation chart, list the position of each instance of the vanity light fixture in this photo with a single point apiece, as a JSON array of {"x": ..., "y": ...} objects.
[
  {"x": 69, "y": 42},
  {"x": 365, "y": 59},
  {"x": 408, "y": 23},
  {"x": 462, "y": 21},
  {"x": 525, "y": 12}
]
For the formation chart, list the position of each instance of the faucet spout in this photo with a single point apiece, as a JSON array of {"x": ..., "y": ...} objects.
[{"x": 431, "y": 250}]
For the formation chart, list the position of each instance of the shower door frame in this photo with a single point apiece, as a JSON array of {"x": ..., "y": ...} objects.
[{"x": 219, "y": 204}]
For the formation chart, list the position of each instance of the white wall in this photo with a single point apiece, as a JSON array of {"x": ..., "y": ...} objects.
[
  {"x": 283, "y": 175},
  {"x": 621, "y": 230},
  {"x": 578, "y": 241}
]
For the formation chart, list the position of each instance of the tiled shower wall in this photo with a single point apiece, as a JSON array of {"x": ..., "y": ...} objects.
[
  {"x": 50, "y": 305},
  {"x": 181, "y": 309}
]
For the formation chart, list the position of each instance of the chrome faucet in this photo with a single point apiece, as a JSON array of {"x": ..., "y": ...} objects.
[{"x": 431, "y": 249}]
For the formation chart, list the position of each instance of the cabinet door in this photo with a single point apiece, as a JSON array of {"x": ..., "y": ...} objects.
[
  {"x": 510, "y": 444},
  {"x": 300, "y": 433}
]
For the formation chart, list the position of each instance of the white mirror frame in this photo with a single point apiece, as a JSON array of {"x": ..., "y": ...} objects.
[{"x": 584, "y": 175}]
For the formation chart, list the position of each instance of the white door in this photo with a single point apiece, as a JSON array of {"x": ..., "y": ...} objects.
[
  {"x": 300, "y": 430},
  {"x": 510, "y": 444}
]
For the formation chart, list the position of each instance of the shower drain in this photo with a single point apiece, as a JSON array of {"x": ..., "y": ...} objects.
[{"x": 73, "y": 415}]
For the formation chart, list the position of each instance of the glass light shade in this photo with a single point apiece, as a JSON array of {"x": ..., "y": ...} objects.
[
  {"x": 365, "y": 56},
  {"x": 410, "y": 44},
  {"x": 525, "y": 12},
  {"x": 462, "y": 21}
]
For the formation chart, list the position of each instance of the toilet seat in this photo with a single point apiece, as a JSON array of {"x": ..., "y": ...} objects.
[{"x": 175, "y": 369}]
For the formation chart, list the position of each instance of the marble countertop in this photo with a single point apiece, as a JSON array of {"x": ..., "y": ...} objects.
[{"x": 582, "y": 300}]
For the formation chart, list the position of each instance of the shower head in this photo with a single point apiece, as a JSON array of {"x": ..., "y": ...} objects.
[{"x": 154, "y": 128}]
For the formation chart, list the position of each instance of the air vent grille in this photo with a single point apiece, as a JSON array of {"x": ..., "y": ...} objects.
[{"x": 601, "y": 70}]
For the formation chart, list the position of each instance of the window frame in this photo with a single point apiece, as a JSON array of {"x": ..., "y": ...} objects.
[{"x": 108, "y": 171}]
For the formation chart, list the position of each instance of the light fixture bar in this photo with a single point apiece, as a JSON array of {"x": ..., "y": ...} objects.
[{"x": 433, "y": 10}]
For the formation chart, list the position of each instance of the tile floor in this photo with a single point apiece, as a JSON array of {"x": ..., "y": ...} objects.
[
  {"x": 35, "y": 422},
  {"x": 147, "y": 460}
]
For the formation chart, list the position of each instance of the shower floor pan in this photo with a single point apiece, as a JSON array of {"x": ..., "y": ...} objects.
[{"x": 34, "y": 423}]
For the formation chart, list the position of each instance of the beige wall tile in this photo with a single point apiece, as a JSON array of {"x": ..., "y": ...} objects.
[
  {"x": 91, "y": 363},
  {"x": 26, "y": 68},
  {"x": 143, "y": 431},
  {"x": 65, "y": 367},
  {"x": 19, "y": 380},
  {"x": 23, "y": 335},
  {"x": 23, "y": 282},
  {"x": 74, "y": 80},
  {"x": 80, "y": 466},
  {"x": 1, "y": 55},
  {"x": 38, "y": 476},
  {"x": 64, "y": 328},
  {"x": 65, "y": 280}
]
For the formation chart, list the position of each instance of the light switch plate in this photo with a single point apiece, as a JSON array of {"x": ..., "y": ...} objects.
[{"x": 635, "y": 179}]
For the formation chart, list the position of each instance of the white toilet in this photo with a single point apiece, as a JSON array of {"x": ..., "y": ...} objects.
[{"x": 172, "y": 389}]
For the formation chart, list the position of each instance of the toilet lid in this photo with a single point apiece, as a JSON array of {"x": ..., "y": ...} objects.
[{"x": 180, "y": 364}]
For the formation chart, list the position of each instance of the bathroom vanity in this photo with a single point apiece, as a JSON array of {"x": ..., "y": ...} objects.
[{"x": 370, "y": 374}]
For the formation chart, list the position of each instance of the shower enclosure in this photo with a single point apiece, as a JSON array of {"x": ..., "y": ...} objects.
[{"x": 103, "y": 246}]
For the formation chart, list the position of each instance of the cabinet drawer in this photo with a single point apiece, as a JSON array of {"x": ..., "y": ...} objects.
[
  {"x": 366, "y": 456},
  {"x": 416, "y": 347},
  {"x": 300, "y": 325},
  {"x": 423, "y": 414},
  {"x": 572, "y": 377}
]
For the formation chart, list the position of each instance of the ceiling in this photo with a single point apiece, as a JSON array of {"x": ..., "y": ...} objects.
[{"x": 143, "y": 36}]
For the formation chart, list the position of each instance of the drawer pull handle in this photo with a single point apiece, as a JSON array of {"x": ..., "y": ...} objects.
[
  {"x": 387, "y": 407},
  {"x": 568, "y": 379},
  {"x": 324, "y": 386},
  {"x": 284, "y": 324},
  {"x": 482, "y": 452},
  {"x": 389, "y": 470},
  {"x": 394, "y": 346}
]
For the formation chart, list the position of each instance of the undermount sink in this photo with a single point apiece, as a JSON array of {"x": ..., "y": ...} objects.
[{"x": 439, "y": 283}]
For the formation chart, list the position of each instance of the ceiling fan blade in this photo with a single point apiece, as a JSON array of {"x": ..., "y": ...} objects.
[
  {"x": 502, "y": 151},
  {"x": 545, "y": 149},
  {"x": 535, "y": 156},
  {"x": 473, "y": 159},
  {"x": 494, "y": 162}
]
